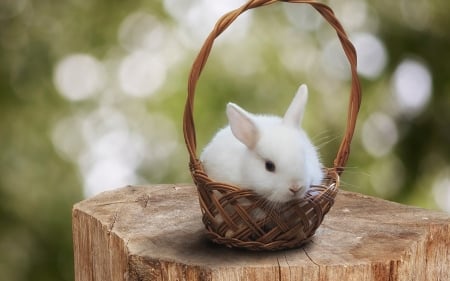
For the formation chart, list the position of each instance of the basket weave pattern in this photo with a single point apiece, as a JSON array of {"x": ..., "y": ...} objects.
[{"x": 240, "y": 218}]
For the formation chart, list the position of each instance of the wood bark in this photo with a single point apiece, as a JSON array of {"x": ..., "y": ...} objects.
[{"x": 156, "y": 233}]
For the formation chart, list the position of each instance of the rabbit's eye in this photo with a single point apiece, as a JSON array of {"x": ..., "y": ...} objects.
[{"x": 270, "y": 166}]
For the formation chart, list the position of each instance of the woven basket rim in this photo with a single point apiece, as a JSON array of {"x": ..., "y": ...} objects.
[{"x": 326, "y": 193}]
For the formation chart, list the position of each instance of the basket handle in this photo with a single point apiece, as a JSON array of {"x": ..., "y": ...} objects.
[{"x": 222, "y": 24}]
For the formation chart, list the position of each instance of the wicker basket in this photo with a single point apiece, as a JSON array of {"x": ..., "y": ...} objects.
[{"x": 228, "y": 211}]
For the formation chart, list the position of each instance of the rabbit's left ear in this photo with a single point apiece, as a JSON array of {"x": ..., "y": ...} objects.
[
  {"x": 242, "y": 125},
  {"x": 294, "y": 114}
]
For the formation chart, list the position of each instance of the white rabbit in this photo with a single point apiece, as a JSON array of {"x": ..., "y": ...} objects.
[{"x": 270, "y": 155}]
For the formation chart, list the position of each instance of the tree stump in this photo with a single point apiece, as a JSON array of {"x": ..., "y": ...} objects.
[{"x": 156, "y": 233}]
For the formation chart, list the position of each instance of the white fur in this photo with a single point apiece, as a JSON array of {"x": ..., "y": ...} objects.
[{"x": 238, "y": 152}]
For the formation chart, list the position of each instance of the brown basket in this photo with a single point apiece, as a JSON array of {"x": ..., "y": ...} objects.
[{"x": 229, "y": 212}]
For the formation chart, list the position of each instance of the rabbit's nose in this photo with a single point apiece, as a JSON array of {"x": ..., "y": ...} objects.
[{"x": 295, "y": 188}]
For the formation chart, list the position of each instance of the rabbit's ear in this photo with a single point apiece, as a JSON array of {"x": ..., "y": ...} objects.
[
  {"x": 294, "y": 114},
  {"x": 242, "y": 125}
]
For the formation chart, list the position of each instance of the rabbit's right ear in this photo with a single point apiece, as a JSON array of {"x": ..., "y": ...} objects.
[
  {"x": 242, "y": 125},
  {"x": 294, "y": 114}
]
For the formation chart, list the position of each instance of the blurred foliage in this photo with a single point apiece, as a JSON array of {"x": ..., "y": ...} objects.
[{"x": 39, "y": 184}]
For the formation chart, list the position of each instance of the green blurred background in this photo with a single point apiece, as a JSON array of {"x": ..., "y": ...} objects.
[{"x": 92, "y": 94}]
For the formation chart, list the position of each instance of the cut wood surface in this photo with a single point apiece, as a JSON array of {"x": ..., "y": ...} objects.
[{"x": 156, "y": 233}]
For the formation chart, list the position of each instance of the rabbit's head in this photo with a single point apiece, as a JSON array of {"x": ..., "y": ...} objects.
[{"x": 279, "y": 162}]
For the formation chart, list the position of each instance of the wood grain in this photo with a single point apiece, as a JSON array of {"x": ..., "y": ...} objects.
[{"x": 156, "y": 233}]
